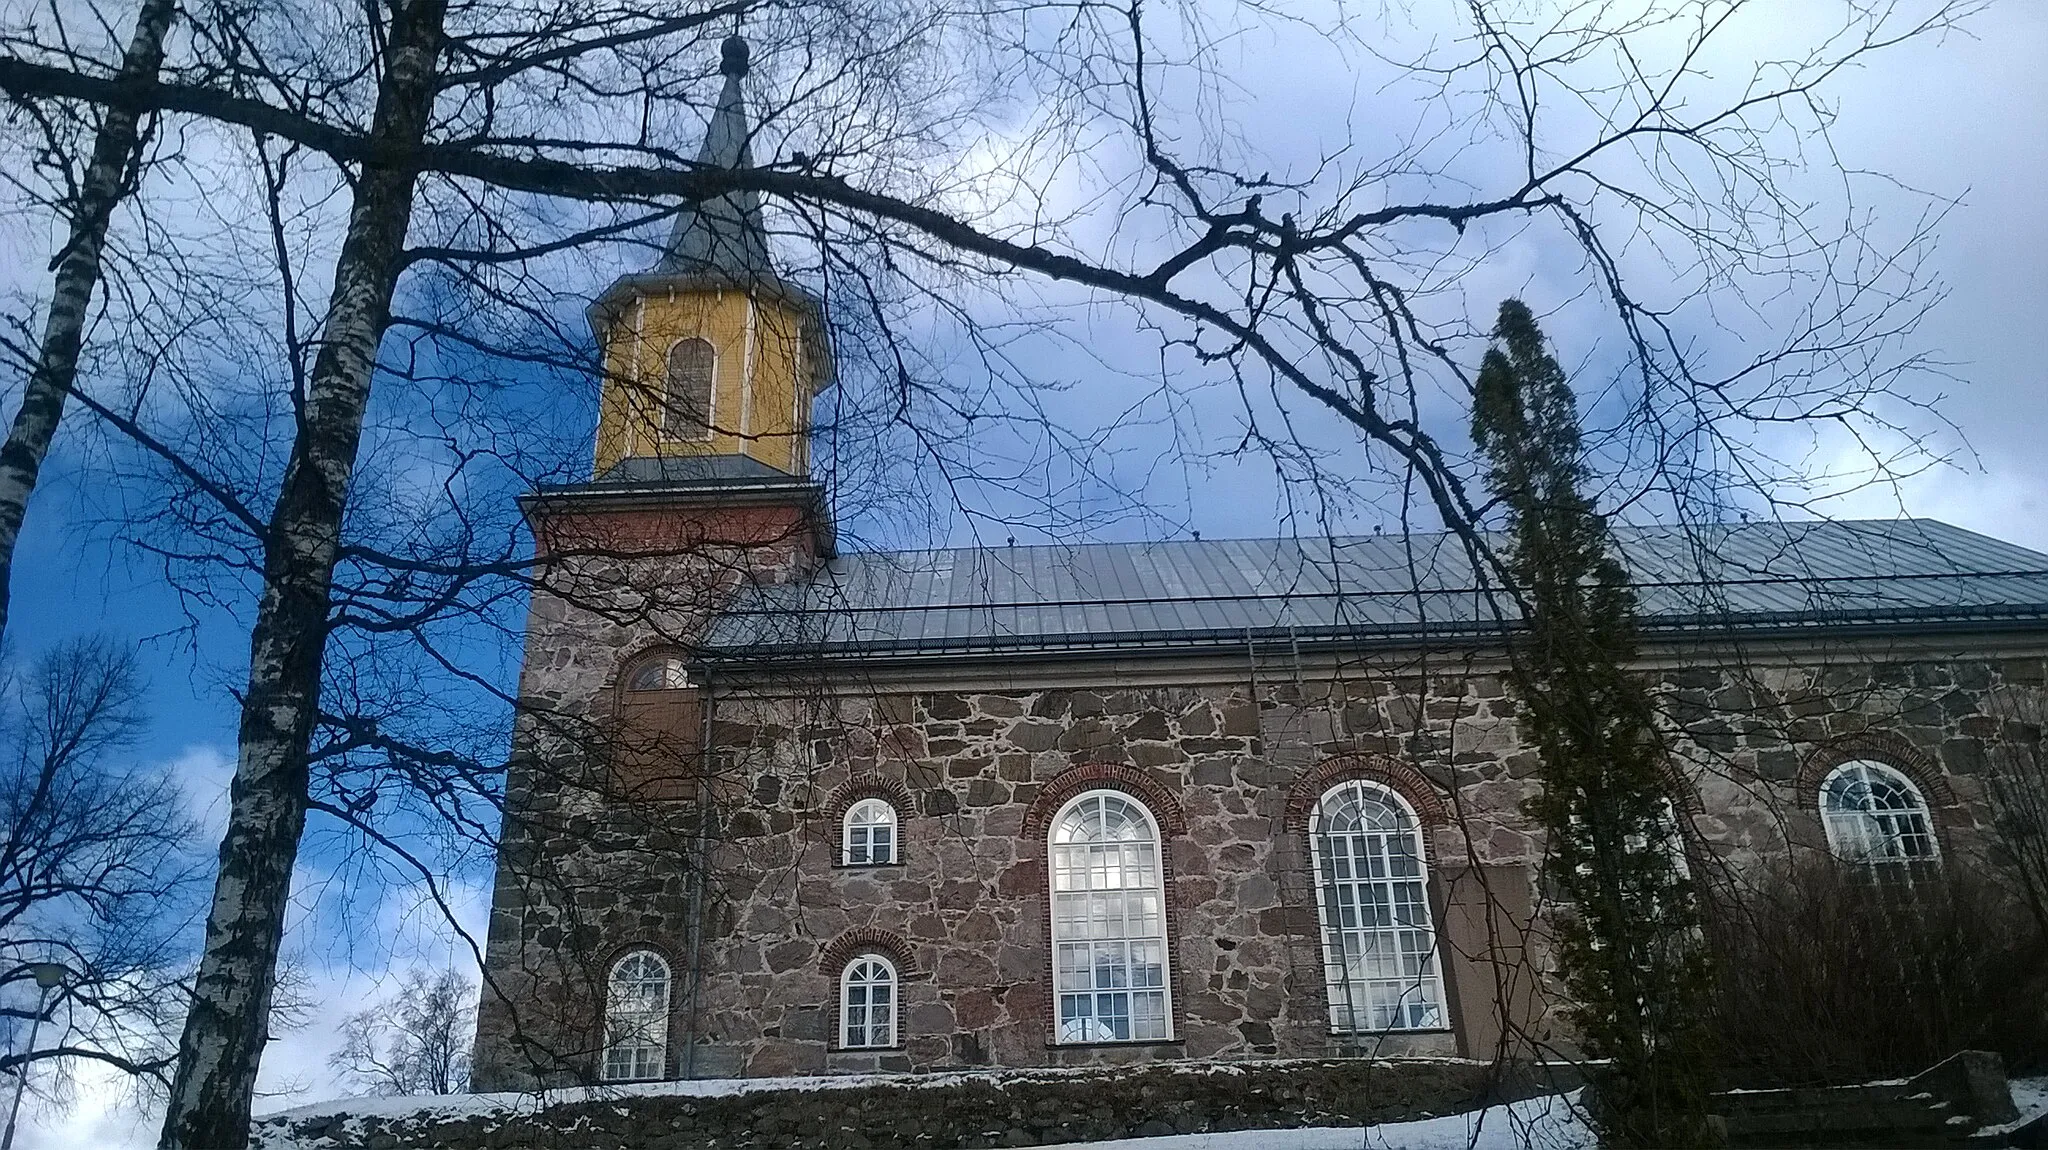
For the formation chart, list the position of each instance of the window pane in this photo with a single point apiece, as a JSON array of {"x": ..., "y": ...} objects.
[
  {"x": 869, "y": 833},
  {"x": 867, "y": 1003},
  {"x": 686, "y": 401},
  {"x": 1874, "y": 814},
  {"x": 1379, "y": 946},
  {"x": 1108, "y": 923},
  {"x": 636, "y": 1017}
]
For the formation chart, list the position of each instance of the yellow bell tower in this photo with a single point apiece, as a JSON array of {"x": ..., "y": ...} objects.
[{"x": 711, "y": 360}]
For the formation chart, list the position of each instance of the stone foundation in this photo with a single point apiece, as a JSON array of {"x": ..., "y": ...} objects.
[{"x": 934, "y": 1112}]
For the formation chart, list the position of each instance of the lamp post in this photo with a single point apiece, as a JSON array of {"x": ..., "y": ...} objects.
[{"x": 49, "y": 976}]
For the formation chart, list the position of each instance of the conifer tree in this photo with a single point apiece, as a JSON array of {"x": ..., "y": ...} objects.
[{"x": 1629, "y": 947}]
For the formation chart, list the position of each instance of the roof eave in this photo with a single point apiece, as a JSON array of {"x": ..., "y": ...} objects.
[{"x": 2032, "y": 618}]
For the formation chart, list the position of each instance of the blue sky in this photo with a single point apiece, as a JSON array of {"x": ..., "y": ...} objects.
[{"x": 1966, "y": 118}]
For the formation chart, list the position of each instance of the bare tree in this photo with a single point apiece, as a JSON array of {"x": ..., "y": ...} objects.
[
  {"x": 415, "y": 1040},
  {"x": 89, "y": 204},
  {"x": 95, "y": 869},
  {"x": 477, "y": 142}
]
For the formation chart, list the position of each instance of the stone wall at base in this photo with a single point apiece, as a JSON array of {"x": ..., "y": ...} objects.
[{"x": 928, "y": 1112}]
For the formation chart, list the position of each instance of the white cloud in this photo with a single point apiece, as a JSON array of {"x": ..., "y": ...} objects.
[{"x": 203, "y": 772}]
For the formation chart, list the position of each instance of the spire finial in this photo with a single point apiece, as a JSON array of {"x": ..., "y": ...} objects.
[{"x": 723, "y": 236}]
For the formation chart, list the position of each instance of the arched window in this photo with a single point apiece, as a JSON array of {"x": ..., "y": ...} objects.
[
  {"x": 1379, "y": 946},
  {"x": 1874, "y": 814},
  {"x": 665, "y": 673},
  {"x": 1109, "y": 922},
  {"x": 636, "y": 1017},
  {"x": 686, "y": 406},
  {"x": 867, "y": 1003},
  {"x": 869, "y": 834}
]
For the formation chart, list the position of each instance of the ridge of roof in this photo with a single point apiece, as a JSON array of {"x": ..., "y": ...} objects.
[
  {"x": 1872, "y": 527},
  {"x": 1108, "y": 595}
]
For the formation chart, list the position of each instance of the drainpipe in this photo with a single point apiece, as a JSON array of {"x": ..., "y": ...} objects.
[{"x": 697, "y": 882}]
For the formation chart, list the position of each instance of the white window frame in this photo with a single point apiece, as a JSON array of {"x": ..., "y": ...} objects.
[
  {"x": 636, "y": 1017},
  {"x": 668, "y": 410},
  {"x": 1855, "y": 833},
  {"x": 863, "y": 852},
  {"x": 1348, "y": 944},
  {"x": 1108, "y": 907},
  {"x": 860, "y": 974}
]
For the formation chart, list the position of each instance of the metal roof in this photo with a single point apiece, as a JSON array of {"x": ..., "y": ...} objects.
[
  {"x": 723, "y": 235},
  {"x": 1115, "y": 597}
]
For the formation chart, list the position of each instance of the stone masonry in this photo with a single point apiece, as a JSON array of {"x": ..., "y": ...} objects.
[{"x": 1228, "y": 757}]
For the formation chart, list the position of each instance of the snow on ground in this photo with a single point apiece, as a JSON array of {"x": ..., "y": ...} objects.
[
  {"x": 1551, "y": 1123},
  {"x": 1548, "y": 1123},
  {"x": 2030, "y": 1097},
  {"x": 470, "y": 1105}
]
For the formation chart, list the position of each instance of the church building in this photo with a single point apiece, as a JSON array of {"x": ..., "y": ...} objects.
[{"x": 775, "y": 808}]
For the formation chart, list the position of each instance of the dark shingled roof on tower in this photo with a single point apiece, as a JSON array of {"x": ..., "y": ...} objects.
[{"x": 1116, "y": 598}]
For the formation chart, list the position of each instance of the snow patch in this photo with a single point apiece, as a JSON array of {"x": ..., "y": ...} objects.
[
  {"x": 1549, "y": 1123},
  {"x": 2029, "y": 1097}
]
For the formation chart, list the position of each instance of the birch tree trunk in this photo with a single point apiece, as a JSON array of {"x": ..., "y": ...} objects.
[
  {"x": 114, "y": 150},
  {"x": 229, "y": 1021}
]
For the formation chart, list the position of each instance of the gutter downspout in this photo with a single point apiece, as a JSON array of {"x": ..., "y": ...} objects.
[{"x": 697, "y": 883}]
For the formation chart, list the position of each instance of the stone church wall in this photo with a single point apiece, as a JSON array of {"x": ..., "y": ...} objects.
[
  {"x": 1221, "y": 764},
  {"x": 1228, "y": 761}
]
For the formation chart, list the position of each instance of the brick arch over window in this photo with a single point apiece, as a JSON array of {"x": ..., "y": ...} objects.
[
  {"x": 631, "y": 665},
  {"x": 610, "y": 957},
  {"x": 867, "y": 785},
  {"x": 1032, "y": 874},
  {"x": 1890, "y": 750},
  {"x": 1406, "y": 781},
  {"x": 1104, "y": 777},
  {"x": 1684, "y": 796},
  {"x": 867, "y": 940}
]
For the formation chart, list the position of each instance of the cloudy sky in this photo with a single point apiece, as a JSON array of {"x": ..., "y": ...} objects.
[{"x": 1966, "y": 117}]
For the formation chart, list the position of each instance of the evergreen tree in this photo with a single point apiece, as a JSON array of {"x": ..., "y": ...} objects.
[{"x": 1629, "y": 945}]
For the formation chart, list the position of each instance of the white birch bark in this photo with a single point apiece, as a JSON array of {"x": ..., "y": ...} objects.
[
  {"x": 105, "y": 182},
  {"x": 229, "y": 1021}
]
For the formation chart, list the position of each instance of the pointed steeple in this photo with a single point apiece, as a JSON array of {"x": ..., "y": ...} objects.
[
  {"x": 722, "y": 237},
  {"x": 711, "y": 359}
]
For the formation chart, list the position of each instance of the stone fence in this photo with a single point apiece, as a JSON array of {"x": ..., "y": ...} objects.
[
  {"x": 1959, "y": 1102},
  {"x": 902, "y": 1112}
]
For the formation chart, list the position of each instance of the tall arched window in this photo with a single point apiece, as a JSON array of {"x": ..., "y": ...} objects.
[
  {"x": 1379, "y": 946},
  {"x": 867, "y": 1003},
  {"x": 636, "y": 1017},
  {"x": 686, "y": 401},
  {"x": 1109, "y": 922},
  {"x": 869, "y": 834},
  {"x": 1874, "y": 814}
]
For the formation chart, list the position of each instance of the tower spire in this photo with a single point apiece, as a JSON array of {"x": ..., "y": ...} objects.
[{"x": 722, "y": 236}]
